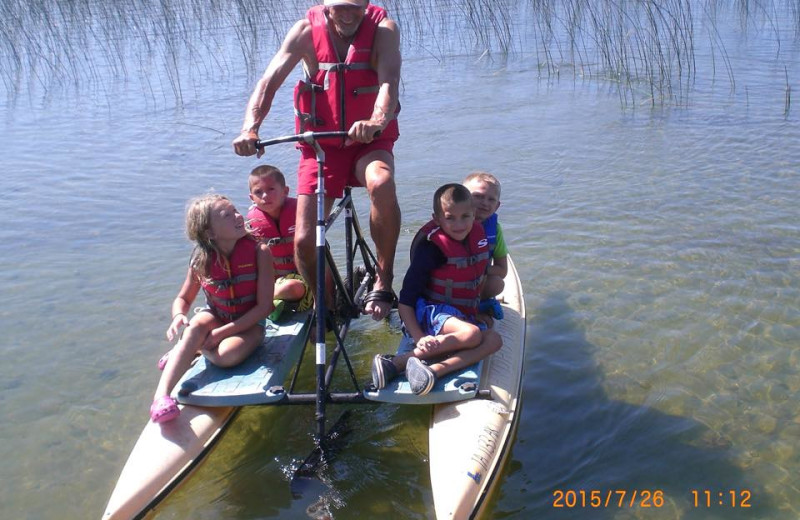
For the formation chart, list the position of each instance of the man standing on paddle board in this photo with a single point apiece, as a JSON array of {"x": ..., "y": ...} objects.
[{"x": 351, "y": 62}]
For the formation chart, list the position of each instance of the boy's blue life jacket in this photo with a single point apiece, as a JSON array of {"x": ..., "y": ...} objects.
[{"x": 490, "y": 228}]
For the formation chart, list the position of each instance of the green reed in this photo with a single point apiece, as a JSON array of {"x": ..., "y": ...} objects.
[{"x": 644, "y": 47}]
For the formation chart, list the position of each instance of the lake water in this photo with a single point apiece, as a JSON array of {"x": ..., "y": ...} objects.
[{"x": 658, "y": 243}]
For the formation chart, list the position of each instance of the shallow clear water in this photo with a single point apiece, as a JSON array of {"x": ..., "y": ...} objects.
[{"x": 659, "y": 251}]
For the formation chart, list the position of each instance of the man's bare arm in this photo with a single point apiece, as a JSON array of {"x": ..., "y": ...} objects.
[
  {"x": 387, "y": 62},
  {"x": 295, "y": 47}
]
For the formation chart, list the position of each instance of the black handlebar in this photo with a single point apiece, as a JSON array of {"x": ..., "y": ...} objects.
[{"x": 308, "y": 137}]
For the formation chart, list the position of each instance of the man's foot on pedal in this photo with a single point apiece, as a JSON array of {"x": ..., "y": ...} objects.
[
  {"x": 383, "y": 370},
  {"x": 420, "y": 377},
  {"x": 330, "y": 326},
  {"x": 379, "y": 303}
]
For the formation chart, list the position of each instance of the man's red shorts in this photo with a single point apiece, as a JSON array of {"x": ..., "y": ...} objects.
[{"x": 339, "y": 168}]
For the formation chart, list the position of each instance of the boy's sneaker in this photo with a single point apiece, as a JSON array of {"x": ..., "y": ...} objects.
[
  {"x": 420, "y": 376},
  {"x": 383, "y": 370}
]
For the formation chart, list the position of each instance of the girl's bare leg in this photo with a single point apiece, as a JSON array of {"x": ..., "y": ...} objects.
[
  {"x": 181, "y": 356},
  {"x": 234, "y": 349}
]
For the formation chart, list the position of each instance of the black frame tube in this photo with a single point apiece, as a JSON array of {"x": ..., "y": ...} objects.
[
  {"x": 355, "y": 243},
  {"x": 320, "y": 347}
]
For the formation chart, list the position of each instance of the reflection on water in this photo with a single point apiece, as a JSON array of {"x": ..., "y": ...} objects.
[
  {"x": 605, "y": 444},
  {"x": 658, "y": 250}
]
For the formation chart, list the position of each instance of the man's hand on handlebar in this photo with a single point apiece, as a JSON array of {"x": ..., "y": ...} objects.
[
  {"x": 365, "y": 131},
  {"x": 245, "y": 144}
]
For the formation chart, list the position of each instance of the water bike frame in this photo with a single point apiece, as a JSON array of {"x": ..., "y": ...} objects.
[{"x": 349, "y": 292}]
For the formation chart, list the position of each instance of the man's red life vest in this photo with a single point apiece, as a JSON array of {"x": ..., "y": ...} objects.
[
  {"x": 279, "y": 235},
  {"x": 230, "y": 288},
  {"x": 458, "y": 281},
  {"x": 341, "y": 92}
]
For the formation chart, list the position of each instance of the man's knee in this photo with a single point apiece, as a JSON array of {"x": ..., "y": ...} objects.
[
  {"x": 377, "y": 169},
  {"x": 383, "y": 193},
  {"x": 381, "y": 186}
]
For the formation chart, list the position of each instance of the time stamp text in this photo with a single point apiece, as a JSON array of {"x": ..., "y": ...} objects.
[{"x": 649, "y": 498}]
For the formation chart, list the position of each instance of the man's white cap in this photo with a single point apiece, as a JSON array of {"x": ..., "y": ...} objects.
[{"x": 334, "y": 3}]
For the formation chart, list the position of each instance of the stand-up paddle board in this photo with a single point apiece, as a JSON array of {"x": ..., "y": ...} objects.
[
  {"x": 470, "y": 440},
  {"x": 166, "y": 453}
]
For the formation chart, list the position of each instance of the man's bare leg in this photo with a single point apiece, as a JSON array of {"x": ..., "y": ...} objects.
[{"x": 375, "y": 171}]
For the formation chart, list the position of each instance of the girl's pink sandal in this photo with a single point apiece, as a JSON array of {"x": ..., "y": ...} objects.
[{"x": 164, "y": 409}]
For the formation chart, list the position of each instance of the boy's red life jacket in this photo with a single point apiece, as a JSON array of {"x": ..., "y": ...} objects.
[
  {"x": 458, "y": 281},
  {"x": 230, "y": 287},
  {"x": 341, "y": 92},
  {"x": 278, "y": 235}
]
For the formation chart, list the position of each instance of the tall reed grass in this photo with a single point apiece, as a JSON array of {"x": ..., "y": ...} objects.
[{"x": 644, "y": 47}]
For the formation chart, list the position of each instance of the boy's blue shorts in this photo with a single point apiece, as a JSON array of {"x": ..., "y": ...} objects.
[{"x": 431, "y": 316}]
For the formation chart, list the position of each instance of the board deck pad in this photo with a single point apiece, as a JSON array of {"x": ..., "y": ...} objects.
[
  {"x": 205, "y": 384},
  {"x": 456, "y": 386}
]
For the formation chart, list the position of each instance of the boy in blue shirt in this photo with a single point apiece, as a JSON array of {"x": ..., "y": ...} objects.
[
  {"x": 485, "y": 190},
  {"x": 439, "y": 299}
]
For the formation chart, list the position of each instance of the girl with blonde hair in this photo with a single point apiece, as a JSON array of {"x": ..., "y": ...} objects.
[{"x": 236, "y": 274}]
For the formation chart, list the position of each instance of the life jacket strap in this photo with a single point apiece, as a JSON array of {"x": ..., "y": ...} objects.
[
  {"x": 218, "y": 302},
  {"x": 224, "y": 284},
  {"x": 311, "y": 117},
  {"x": 282, "y": 259},
  {"x": 470, "y": 303},
  {"x": 465, "y": 261},
  {"x": 450, "y": 284},
  {"x": 339, "y": 67},
  {"x": 279, "y": 240}
]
